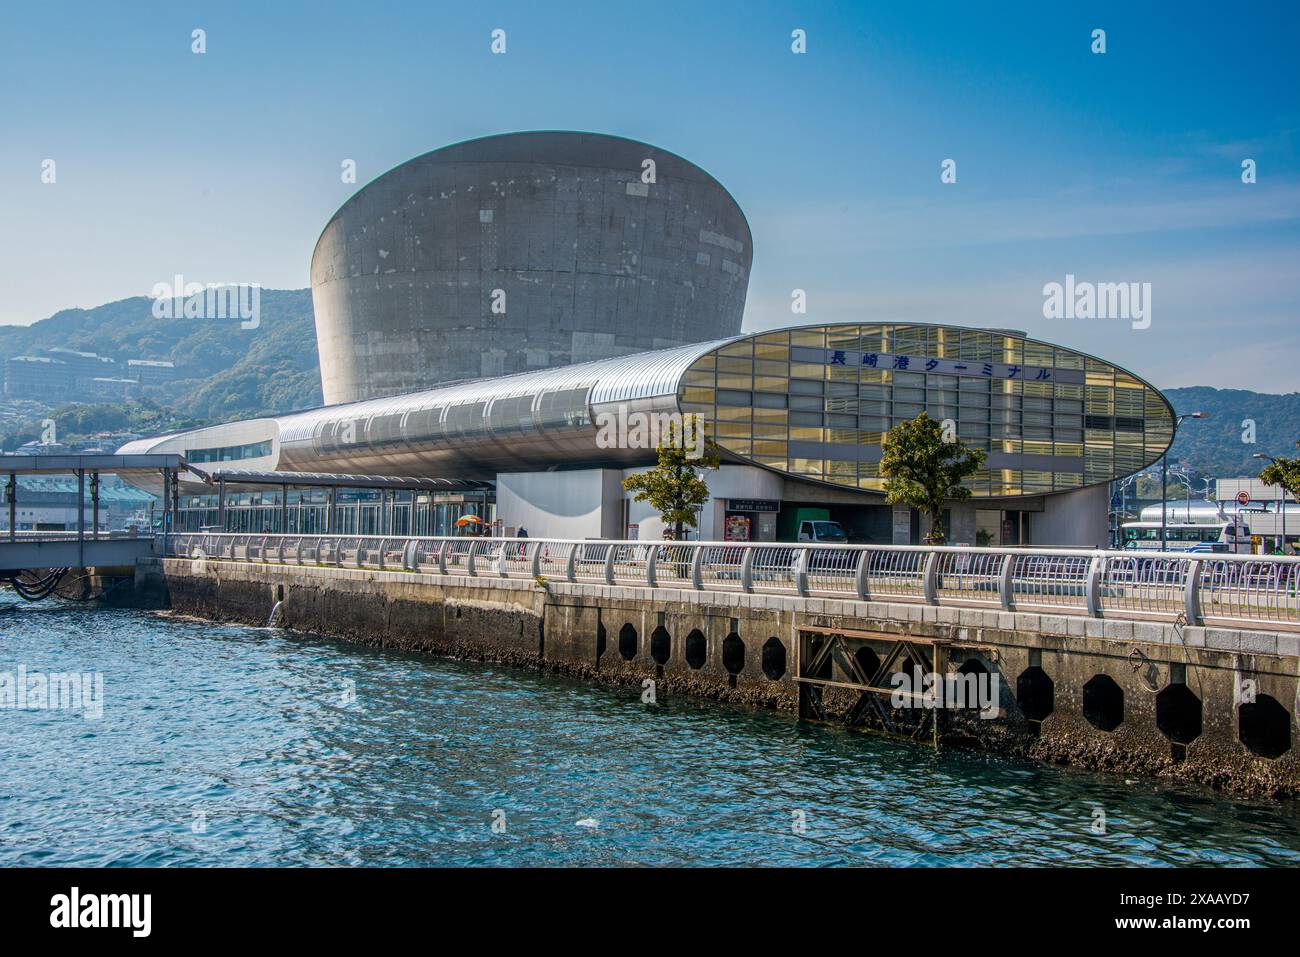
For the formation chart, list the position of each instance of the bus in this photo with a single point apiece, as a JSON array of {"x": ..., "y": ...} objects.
[{"x": 1224, "y": 535}]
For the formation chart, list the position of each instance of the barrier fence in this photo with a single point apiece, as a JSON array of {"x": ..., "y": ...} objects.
[{"x": 1237, "y": 589}]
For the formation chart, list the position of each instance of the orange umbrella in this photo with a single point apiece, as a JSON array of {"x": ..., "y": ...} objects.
[{"x": 469, "y": 520}]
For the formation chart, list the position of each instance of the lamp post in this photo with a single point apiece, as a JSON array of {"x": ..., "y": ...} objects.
[
  {"x": 1282, "y": 506},
  {"x": 1164, "y": 475}
]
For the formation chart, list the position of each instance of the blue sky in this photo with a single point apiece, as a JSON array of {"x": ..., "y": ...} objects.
[{"x": 1122, "y": 167}]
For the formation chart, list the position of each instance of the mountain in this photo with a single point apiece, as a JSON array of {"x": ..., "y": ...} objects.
[
  {"x": 225, "y": 372},
  {"x": 1215, "y": 446}
]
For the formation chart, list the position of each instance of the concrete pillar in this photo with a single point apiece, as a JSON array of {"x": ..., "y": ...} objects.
[{"x": 94, "y": 505}]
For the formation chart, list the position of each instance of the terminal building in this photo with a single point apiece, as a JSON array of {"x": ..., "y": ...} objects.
[
  {"x": 653, "y": 282},
  {"x": 798, "y": 414}
]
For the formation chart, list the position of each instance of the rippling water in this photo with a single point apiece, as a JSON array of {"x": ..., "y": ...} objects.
[{"x": 243, "y": 746}]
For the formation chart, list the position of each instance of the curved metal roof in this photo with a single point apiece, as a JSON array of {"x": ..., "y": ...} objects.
[
  {"x": 641, "y": 375},
  {"x": 342, "y": 480}
]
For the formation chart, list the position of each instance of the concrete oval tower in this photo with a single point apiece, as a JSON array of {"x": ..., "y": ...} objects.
[{"x": 523, "y": 251}]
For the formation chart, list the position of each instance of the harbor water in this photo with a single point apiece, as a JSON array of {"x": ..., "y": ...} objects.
[{"x": 227, "y": 745}]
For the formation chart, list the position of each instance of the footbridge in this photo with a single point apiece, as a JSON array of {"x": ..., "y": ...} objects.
[{"x": 33, "y": 559}]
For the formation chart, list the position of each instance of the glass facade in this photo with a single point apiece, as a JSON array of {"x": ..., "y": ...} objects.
[
  {"x": 816, "y": 402},
  {"x": 230, "y": 453}
]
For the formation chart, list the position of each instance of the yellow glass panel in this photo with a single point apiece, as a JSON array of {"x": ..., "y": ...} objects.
[
  {"x": 733, "y": 413},
  {"x": 771, "y": 383},
  {"x": 769, "y": 415},
  {"x": 742, "y": 348},
  {"x": 1065, "y": 359},
  {"x": 1100, "y": 401},
  {"x": 806, "y": 370},
  {"x": 697, "y": 395},
  {"x": 874, "y": 338},
  {"x": 943, "y": 344},
  {"x": 731, "y": 381},
  {"x": 1038, "y": 354},
  {"x": 842, "y": 373},
  {"x": 732, "y": 430}
]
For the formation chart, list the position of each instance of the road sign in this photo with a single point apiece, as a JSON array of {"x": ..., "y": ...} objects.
[{"x": 1243, "y": 498}]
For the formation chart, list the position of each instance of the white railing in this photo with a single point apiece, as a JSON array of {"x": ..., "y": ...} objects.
[
  {"x": 71, "y": 535},
  {"x": 1237, "y": 589}
]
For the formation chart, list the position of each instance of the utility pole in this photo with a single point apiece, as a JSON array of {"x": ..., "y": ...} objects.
[
  {"x": 1164, "y": 475},
  {"x": 1282, "y": 490}
]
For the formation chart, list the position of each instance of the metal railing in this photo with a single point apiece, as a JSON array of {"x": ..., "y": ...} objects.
[
  {"x": 1235, "y": 589},
  {"x": 70, "y": 535}
]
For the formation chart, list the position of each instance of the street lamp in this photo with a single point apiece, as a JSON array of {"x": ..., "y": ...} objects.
[
  {"x": 1164, "y": 474},
  {"x": 1282, "y": 506}
]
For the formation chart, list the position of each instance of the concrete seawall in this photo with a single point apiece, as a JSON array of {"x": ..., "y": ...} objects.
[{"x": 1213, "y": 706}]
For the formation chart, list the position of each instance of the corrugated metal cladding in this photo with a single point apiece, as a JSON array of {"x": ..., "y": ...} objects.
[{"x": 551, "y": 398}]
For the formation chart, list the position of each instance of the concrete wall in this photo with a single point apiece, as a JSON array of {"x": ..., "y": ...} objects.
[
  {"x": 581, "y": 504},
  {"x": 592, "y": 262},
  {"x": 1079, "y": 518},
  {"x": 1068, "y": 690}
]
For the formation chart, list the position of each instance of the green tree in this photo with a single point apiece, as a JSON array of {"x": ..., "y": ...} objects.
[
  {"x": 674, "y": 487},
  {"x": 1284, "y": 472},
  {"x": 924, "y": 471}
]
